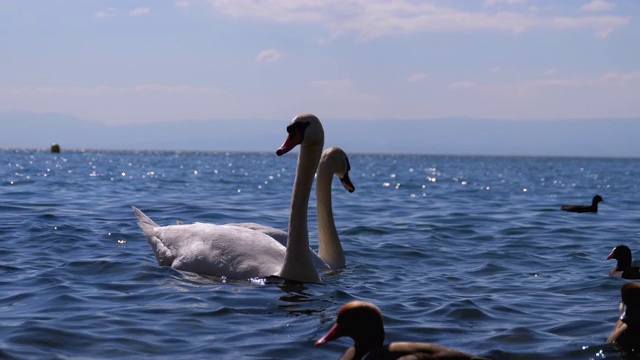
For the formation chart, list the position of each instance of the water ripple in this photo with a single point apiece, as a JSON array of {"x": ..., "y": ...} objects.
[{"x": 470, "y": 252}]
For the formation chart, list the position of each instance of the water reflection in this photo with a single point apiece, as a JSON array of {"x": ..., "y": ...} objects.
[{"x": 300, "y": 299}]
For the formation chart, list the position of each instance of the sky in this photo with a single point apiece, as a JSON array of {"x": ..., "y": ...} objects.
[{"x": 122, "y": 62}]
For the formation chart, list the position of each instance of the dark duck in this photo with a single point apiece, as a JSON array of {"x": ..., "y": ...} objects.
[
  {"x": 624, "y": 268},
  {"x": 593, "y": 208},
  {"x": 626, "y": 333},
  {"x": 362, "y": 321}
]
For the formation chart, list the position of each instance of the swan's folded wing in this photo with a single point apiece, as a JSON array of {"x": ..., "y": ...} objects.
[
  {"x": 279, "y": 235},
  {"x": 222, "y": 250}
]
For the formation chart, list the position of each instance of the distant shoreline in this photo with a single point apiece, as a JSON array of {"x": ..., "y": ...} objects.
[{"x": 592, "y": 138}]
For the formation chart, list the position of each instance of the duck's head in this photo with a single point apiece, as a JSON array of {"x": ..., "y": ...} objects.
[
  {"x": 304, "y": 130},
  {"x": 359, "y": 320},
  {"x": 596, "y": 199},
  {"x": 620, "y": 252}
]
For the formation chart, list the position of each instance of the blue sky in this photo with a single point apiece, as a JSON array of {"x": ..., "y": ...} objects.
[{"x": 124, "y": 62}]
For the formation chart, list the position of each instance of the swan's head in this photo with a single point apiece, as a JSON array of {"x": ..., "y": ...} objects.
[
  {"x": 338, "y": 161},
  {"x": 304, "y": 130}
]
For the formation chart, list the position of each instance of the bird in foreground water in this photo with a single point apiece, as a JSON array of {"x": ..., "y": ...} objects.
[
  {"x": 626, "y": 333},
  {"x": 624, "y": 268},
  {"x": 362, "y": 321}
]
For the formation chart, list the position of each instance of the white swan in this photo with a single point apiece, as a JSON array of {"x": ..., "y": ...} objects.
[
  {"x": 241, "y": 253},
  {"x": 330, "y": 254}
]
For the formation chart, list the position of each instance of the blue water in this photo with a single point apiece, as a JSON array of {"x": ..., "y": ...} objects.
[{"x": 469, "y": 252}]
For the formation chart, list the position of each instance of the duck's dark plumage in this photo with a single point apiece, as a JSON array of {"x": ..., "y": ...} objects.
[
  {"x": 362, "y": 321},
  {"x": 626, "y": 333},
  {"x": 584, "y": 208},
  {"x": 623, "y": 268}
]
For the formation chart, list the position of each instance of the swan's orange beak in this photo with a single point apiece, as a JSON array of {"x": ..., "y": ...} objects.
[
  {"x": 295, "y": 137},
  {"x": 334, "y": 333}
]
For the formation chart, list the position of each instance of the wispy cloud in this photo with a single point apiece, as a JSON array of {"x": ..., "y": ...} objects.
[
  {"x": 597, "y": 5},
  {"x": 139, "y": 11},
  {"x": 603, "y": 25},
  {"x": 370, "y": 19},
  {"x": 103, "y": 90},
  {"x": 182, "y": 4},
  {"x": 268, "y": 55},
  {"x": 417, "y": 77},
  {"x": 608, "y": 79},
  {"x": 105, "y": 13},
  {"x": 609, "y": 95},
  {"x": 604, "y": 81},
  {"x": 118, "y": 104}
]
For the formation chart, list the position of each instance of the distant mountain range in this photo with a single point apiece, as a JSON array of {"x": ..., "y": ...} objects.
[{"x": 595, "y": 137}]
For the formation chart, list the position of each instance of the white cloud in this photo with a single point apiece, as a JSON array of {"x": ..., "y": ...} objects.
[
  {"x": 105, "y": 13},
  {"x": 116, "y": 104},
  {"x": 607, "y": 80},
  {"x": 139, "y": 11},
  {"x": 268, "y": 55},
  {"x": 369, "y": 19},
  {"x": 182, "y": 3},
  {"x": 608, "y": 95},
  {"x": 603, "y": 25},
  {"x": 597, "y": 5},
  {"x": 103, "y": 90},
  {"x": 417, "y": 77}
]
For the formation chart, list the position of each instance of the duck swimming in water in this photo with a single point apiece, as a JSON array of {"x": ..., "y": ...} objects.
[{"x": 584, "y": 208}]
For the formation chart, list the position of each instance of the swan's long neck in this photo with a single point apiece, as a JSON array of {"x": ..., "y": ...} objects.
[
  {"x": 330, "y": 249},
  {"x": 298, "y": 265}
]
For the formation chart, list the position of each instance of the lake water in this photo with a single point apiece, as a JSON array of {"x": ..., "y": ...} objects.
[{"x": 469, "y": 252}]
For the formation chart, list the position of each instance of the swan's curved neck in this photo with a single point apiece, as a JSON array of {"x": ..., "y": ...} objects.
[
  {"x": 297, "y": 264},
  {"x": 329, "y": 247}
]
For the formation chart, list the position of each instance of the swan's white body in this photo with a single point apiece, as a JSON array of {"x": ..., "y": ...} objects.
[
  {"x": 330, "y": 254},
  {"x": 210, "y": 249},
  {"x": 281, "y": 237},
  {"x": 241, "y": 253}
]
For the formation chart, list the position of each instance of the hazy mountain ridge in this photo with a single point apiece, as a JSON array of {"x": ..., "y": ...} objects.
[{"x": 615, "y": 138}]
